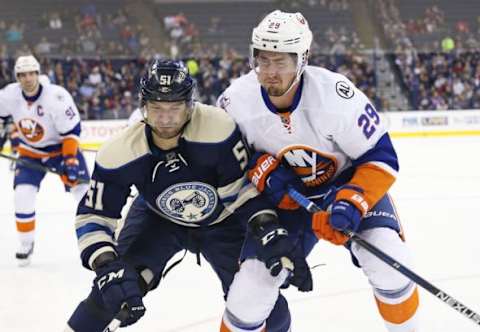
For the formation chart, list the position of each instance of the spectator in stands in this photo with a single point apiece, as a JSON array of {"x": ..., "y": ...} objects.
[
  {"x": 44, "y": 46},
  {"x": 14, "y": 33},
  {"x": 3, "y": 26},
  {"x": 448, "y": 44},
  {"x": 55, "y": 21},
  {"x": 95, "y": 77}
]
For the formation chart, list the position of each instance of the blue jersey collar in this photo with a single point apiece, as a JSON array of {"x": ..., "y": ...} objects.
[
  {"x": 32, "y": 99},
  {"x": 296, "y": 98}
]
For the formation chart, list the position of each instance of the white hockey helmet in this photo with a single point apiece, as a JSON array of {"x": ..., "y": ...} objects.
[
  {"x": 283, "y": 32},
  {"x": 25, "y": 64}
]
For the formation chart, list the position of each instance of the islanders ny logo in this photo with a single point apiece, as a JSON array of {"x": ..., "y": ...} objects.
[
  {"x": 189, "y": 202},
  {"x": 314, "y": 168},
  {"x": 31, "y": 129}
]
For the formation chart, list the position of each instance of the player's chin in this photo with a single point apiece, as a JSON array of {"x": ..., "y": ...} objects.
[
  {"x": 167, "y": 132},
  {"x": 275, "y": 92},
  {"x": 29, "y": 88}
]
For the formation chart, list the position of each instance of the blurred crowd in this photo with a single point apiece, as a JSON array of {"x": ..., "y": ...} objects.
[
  {"x": 109, "y": 88},
  {"x": 437, "y": 61},
  {"x": 88, "y": 32}
]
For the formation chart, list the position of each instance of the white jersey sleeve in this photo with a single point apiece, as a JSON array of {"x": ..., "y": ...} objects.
[{"x": 357, "y": 126}]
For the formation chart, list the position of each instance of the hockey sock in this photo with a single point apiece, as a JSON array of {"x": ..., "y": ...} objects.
[{"x": 399, "y": 313}]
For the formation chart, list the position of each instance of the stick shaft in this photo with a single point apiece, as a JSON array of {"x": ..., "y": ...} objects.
[{"x": 387, "y": 259}]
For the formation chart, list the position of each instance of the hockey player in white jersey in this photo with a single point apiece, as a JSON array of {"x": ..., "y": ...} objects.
[
  {"x": 315, "y": 125},
  {"x": 48, "y": 125}
]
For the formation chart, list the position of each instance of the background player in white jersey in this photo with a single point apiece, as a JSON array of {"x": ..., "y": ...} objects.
[
  {"x": 48, "y": 126},
  {"x": 315, "y": 125}
]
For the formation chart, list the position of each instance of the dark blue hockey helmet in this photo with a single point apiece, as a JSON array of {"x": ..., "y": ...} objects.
[{"x": 167, "y": 80}]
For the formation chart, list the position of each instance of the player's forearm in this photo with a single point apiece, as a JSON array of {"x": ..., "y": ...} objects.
[
  {"x": 95, "y": 236},
  {"x": 373, "y": 181},
  {"x": 376, "y": 171}
]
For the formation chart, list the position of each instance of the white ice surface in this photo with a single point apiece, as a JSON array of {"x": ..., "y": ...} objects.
[{"x": 438, "y": 198}]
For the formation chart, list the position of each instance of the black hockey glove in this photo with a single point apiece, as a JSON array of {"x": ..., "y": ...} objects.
[
  {"x": 275, "y": 249},
  {"x": 302, "y": 277},
  {"x": 118, "y": 284}
]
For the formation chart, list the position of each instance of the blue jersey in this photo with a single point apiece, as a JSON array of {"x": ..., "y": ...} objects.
[{"x": 196, "y": 184}]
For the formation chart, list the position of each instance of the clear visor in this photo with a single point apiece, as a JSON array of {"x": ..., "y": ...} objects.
[{"x": 265, "y": 62}]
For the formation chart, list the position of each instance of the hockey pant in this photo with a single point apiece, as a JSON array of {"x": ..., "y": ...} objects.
[{"x": 148, "y": 242}]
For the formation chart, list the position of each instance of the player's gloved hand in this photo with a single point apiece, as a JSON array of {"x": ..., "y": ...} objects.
[
  {"x": 14, "y": 140},
  {"x": 302, "y": 277},
  {"x": 275, "y": 249},
  {"x": 118, "y": 284},
  {"x": 323, "y": 230},
  {"x": 348, "y": 208},
  {"x": 270, "y": 177},
  {"x": 71, "y": 168}
]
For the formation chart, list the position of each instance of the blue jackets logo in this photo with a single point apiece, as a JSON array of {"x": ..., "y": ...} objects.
[{"x": 189, "y": 202}]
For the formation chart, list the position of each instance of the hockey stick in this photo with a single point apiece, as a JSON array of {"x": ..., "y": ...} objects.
[
  {"x": 438, "y": 293},
  {"x": 117, "y": 321},
  {"x": 37, "y": 167},
  {"x": 123, "y": 314}
]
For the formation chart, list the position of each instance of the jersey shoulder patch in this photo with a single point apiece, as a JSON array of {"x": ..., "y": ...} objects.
[
  {"x": 124, "y": 147},
  {"x": 344, "y": 89},
  {"x": 209, "y": 124}
]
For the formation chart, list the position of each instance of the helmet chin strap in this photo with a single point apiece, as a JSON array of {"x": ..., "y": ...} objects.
[
  {"x": 300, "y": 70},
  {"x": 295, "y": 81}
]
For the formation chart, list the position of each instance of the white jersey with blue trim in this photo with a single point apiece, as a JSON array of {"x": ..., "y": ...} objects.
[
  {"x": 45, "y": 121},
  {"x": 330, "y": 125}
]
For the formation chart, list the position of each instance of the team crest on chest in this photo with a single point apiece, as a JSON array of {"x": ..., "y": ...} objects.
[
  {"x": 314, "y": 168},
  {"x": 31, "y": 129},
  {"x": 189, "y": 202}
]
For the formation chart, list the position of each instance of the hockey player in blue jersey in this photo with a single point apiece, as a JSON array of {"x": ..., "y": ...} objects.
[{"x": 188, "y": 162}]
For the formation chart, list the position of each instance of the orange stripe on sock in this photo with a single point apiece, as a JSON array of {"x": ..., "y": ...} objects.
[
  {"x": 401, "y": 312},
  {"x": 25, "y": 227},
  {"x": 224, "y": 328}
]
